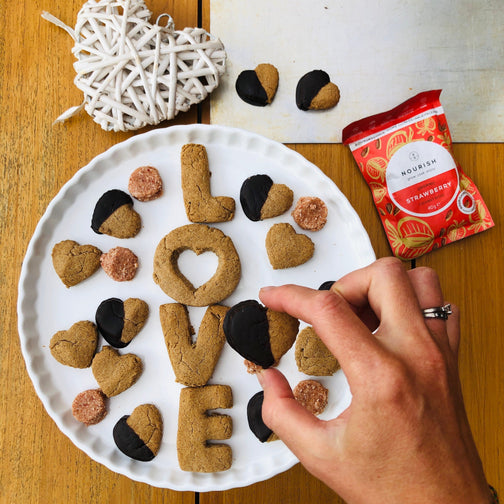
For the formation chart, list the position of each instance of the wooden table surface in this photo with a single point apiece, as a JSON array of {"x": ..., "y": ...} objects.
[{"x": 37, "y": 158}]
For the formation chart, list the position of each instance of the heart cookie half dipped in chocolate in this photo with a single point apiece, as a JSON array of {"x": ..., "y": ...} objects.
[
  {"x": 259, "y": 334},
  {"x": 114, "y": 215},
  {"x": 139, "y": 435},
  {"x": 120, "y": 321},
  {"x": 258, "y": 87},
  {"x": 315, "y": 91},
  {"x": 261, "y": 199}
]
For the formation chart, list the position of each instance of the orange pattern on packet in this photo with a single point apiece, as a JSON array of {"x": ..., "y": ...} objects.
[{"x": 423, "y": 197}]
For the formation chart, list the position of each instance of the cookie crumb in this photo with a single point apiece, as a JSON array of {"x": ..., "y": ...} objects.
[
  {"x": 120, "y": 264},
  {"x": 252, "y": 368},
  {"x": 89, "y": 407},
  {"x": 312, "y": 395},
  {"x": 145, "y": 184},
  {"x": 310, "y": 213}
]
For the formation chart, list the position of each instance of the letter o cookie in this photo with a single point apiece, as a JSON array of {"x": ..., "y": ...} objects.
[{"x": 199, "y": 238}]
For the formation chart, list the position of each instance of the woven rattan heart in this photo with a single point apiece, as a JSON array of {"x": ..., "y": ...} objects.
[{"x": 134, "y": 73}]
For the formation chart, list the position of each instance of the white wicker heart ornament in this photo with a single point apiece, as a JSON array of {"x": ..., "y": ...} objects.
[{"x": 134, "y": 73}]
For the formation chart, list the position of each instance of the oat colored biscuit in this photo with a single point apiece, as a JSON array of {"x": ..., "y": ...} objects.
[
  {"x": 198, "y": 238},
  {"x": 120, "y": 264},
  {"x": 286, "y": 248},
  {"x": 76, "y": 346},
  {"x": 310, "y": 213},
  {"x": 197, "y": 429},
  {"x": 114, "y": 215},
  {"x": 193, "y": 362},
  {"x": 268, "y": 77},
  {"x": 90, "y": 407},
  {"x": 312, "y": 395},
  {"x": 199, "y": 203},
  {"x": 312, "y": 356},
  {"x": 114, "y": 372},
  {"x": 74, "y": 263},
  {"x": 145, "y": 184}
]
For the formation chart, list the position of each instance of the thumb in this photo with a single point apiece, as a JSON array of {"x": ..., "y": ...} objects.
[{"x": 297, "y": 427}]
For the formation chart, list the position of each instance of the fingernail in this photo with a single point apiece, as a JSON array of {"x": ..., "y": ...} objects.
[{"x": 266, "y": 288}]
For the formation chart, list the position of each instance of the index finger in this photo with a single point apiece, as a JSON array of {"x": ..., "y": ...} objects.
[{"x": 334, "y": 321}]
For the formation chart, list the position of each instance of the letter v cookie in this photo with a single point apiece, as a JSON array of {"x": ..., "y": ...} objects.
[
  {"x": 199, "y": 203},
  {"x": 193, "y": 363}
]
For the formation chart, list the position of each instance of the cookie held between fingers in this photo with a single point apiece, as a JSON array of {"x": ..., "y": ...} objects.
[
  {"x": 259, "y": 334},
  {"x": 255, "y": 420},
  {"x": 198, "y": 238}
]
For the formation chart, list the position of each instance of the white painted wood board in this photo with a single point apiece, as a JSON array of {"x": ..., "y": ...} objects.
[{"x": 379, "y": 53}]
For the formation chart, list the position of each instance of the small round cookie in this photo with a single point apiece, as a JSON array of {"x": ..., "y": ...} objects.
[
  {"x": 90, "y": 407},
  {"x": 310, "y": 213},
  {"x": 199, "y": 238},
  {"x": 145, "y": 184},
  {"x": 114, "y": 215},
  {"x": 120, "y": 264},
  {"x": 312, "y": 395},
  {"x": 259, "y": 334}
]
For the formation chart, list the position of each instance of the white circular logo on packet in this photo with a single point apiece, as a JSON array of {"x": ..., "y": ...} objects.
[{"x": 422, "y": 178}]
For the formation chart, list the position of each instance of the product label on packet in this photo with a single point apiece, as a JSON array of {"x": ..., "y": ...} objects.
[{"x": 423, "y": 197}]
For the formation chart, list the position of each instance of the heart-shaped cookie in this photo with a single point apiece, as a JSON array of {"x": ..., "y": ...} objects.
[
  {"x": 261, "y": 199},
  {"x": 73, "y": 262},
  {"x": 134, "y": 73},
  {"x": 114, "y": 372},
  {"x": 286, "y": 248},
  {"x": 139, "y": 435},
  {"x": 76, "y": 346},
  {"x": 315, "y": 91},
  {"x": 258, "y": 87}
]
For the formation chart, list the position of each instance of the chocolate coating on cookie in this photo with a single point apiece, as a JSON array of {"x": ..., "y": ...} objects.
[
  {"x": 246, "y": 328},
  {"x": 315, "y": 91},
  {"x": 253, "y": 194},
  {"x": 120, "y": 321},
  {"x": 258, "y": 87},
  {"x": 139, "y": 435},
  {"x": 326, "y": 285},
  {"x": 255, "y": 420},
  {"x": 114, "y": 215}
]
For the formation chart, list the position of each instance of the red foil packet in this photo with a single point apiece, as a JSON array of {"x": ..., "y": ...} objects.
[{"x": 423, "y": 197}]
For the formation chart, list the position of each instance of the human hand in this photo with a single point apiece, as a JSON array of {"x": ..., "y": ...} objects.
[{"x": 405, "y": 437}]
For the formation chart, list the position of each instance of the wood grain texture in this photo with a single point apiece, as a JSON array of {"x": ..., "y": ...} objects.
[{"x": 38, "y": 463}]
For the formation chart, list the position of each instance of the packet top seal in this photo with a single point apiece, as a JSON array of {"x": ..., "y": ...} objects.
[{"x": 424, "y": 199}]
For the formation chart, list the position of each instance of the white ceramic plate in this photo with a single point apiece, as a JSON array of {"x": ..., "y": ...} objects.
[{"x": 46, "y": 306}]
